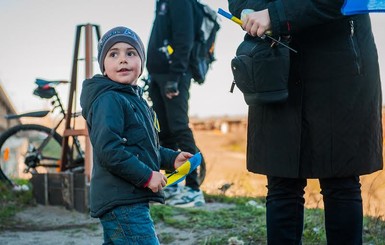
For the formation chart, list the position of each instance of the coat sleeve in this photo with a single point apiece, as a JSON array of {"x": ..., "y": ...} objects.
[
  {"x": 236, "y": 6},
  {"x": 167, "y": 158},
  {"x": 291, "y": 16},
  {"x": 107, "y": 141},
  {"x": 182, "y": 39}
]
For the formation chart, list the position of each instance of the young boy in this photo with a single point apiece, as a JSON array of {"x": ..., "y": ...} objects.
[{"x": 123, "y": 131}]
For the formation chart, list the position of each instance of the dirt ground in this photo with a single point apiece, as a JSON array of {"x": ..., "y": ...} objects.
[{"x": 46, "y": 225}]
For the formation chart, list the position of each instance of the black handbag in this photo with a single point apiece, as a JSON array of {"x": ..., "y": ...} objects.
[{"x": 261, "y": 71}]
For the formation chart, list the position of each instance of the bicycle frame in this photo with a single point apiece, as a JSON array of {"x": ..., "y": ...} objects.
[{"x": 43, "y": 87}]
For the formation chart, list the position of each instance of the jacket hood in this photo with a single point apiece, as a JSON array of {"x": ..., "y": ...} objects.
[{"x": 92, "y": 88}]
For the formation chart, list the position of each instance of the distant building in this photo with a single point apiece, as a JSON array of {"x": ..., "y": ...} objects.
[
  {"x": 6, "y": 107},
  {"x": 224, "y": 124}
]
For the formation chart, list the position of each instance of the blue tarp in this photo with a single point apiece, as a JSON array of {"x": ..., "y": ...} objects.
[{"x": 362, "y": 6}]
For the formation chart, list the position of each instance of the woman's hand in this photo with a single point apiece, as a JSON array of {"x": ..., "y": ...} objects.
[{"x": 257, "y": 23}]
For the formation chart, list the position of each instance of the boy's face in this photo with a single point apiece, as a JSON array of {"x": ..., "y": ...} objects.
[{"x": 123, "y": 64}]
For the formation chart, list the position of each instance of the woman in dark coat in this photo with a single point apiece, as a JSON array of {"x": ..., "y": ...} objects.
[{"x": 330, "y": 126}]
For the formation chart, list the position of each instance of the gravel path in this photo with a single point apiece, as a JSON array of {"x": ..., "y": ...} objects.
[{"x": 47, "y": 225}]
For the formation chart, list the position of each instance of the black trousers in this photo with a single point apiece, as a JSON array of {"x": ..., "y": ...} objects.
[
  {"x": 175, "y": 132},
  {"x": 343, "y": 210}
]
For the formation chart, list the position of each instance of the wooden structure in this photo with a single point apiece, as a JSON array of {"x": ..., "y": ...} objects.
[
  {"x": 63, "y": 189},
  {"x": 67, "y": 188},
  {"x": 70, "y": 129},
  {"x": 6, "y": 107}
]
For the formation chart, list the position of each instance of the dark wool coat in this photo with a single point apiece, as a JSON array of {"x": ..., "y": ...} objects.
[{"x": 331, "y": 124}]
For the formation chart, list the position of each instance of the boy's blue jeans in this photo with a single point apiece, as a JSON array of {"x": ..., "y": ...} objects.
[
  {"x": 130, "y": 224},
  {"x": 343, "y": 210}
]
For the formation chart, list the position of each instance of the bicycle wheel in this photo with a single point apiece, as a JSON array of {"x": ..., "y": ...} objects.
[{"x": 31, "y": 147}]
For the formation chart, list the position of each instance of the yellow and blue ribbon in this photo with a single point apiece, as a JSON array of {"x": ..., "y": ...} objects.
[
  {"x": 180, "y": 173},
  {"x": 229, "y": 16}
]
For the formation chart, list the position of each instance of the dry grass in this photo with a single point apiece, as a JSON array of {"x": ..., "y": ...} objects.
[{"x": 225, "y": 155}]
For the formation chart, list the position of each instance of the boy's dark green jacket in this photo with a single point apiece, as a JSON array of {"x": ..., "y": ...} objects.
[{"x": 122, "y": 130}]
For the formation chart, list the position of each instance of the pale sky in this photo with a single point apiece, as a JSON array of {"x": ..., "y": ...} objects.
[{"x": 37, "y": 39}]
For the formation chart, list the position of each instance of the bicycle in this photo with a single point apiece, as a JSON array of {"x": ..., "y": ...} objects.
[{"x": 37, "y": 148}]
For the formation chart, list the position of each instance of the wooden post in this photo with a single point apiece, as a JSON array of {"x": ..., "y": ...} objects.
[
  {"x": 88, "y": 74},
  {"x": 69, "y": 130},
  {"x": 67, "y": 126}
]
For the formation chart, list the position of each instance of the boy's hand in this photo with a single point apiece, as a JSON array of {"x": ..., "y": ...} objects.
[
  {"x": 157, "y": 182},
  {"x": 182, "y": 158}
]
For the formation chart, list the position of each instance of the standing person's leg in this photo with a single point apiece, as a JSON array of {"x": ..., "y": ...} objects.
[
  {"x": 156, "y": 93},
  {"x": 343, "y": 210},
  {"x": 131, "y": 224},
  {"x": 285, "y": 210},
  {"x": 178, "y": 122},
  {"x": 176, "y": 111},
  {"x": 166, "y": 138}
]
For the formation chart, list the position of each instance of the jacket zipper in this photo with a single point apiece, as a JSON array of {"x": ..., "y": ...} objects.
[
  {"x": 353, "y": 41},
  {"x": 148, "y": 115},
  {"x": 152, "y": 118}
]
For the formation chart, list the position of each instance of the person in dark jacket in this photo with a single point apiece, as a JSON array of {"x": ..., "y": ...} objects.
[
  {"x": 169, "y": 48},
  {"x": 127, "y": 156},
  {"x": 330, "y": 126}
]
